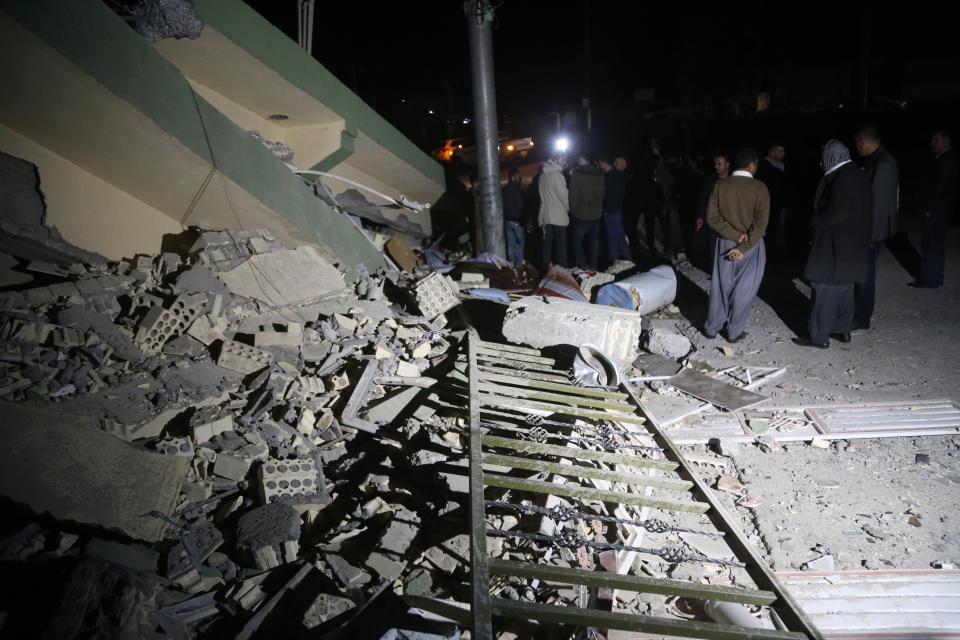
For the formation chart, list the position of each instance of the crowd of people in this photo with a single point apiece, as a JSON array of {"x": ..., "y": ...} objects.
[{"x": 588, "y": 212}]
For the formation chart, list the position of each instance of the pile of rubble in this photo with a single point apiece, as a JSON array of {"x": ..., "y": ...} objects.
[
  {"x": 236, "y": 364},
  {"x": 205, "y": 432}
]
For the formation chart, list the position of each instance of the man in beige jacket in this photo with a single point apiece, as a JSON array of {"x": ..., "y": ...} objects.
[
  {"x": 554, "y": 215},
  {"x": 738, "y": 212}
]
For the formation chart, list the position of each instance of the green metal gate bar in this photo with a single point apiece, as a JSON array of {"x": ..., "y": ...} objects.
[
  {"x": 583, "y": 454},
  {"x": 562, "y": 386},
  {"x": 548, "y": 396},
  {"x": 579, "y": 471},
  {"x": 482, "y": 626},
  {"x": 516, "y": 403},
  {"x": 484, "y": 353},
  {"x": 640, "y": 584},
  {"x": 572, "y": 491},
  {"x": 527, "y": 375}
]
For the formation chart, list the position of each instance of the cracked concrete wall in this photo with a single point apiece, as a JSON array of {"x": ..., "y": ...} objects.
[{"x": 84, "y": 208}]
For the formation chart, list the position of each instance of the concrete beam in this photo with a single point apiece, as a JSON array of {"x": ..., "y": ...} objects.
[{"x": 554, "y": 321}]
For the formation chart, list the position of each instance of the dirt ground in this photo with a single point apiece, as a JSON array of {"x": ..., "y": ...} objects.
[{"x": 868, "y": 504}]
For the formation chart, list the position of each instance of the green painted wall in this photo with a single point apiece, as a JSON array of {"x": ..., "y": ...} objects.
[
  {"x": 248, "y": 30},
  {"x": 90, "y": 35}
]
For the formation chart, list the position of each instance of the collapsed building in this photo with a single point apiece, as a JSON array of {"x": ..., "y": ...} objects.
[{"x": 246, "y": 393}]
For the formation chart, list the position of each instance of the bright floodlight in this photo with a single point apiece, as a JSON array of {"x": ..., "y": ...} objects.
[{"x": 562, "y": 144}]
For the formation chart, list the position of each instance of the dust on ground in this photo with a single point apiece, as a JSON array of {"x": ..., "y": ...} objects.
[{"x": 870, "y": 504}]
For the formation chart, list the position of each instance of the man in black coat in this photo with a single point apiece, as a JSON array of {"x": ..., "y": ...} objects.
[
  {"x": 939, "y": 205},
  {"x": 842, "y": 230},
  {"x": 772, "y": 172},
  {"x": 881, "y": 167}
]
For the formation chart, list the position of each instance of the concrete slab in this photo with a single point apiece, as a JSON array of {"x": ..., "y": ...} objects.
[
  {"x": 285, "y": 277},
  {"x": 554, "y": 321},
  {"x": 65, "y": 466}
]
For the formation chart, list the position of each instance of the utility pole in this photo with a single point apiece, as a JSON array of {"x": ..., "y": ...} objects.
[{"x": 479, "y": 18}]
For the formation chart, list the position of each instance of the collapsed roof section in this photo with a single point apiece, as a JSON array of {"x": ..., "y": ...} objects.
[
  {"x": 264, "y": 81},
  {"x": 128, "y": 151}
]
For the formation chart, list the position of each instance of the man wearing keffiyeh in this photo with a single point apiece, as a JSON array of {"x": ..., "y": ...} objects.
[{"x": 842, "y": 230}]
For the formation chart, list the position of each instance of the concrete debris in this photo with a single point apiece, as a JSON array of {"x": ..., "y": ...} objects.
[
  {"x": 292, "y": 481},
  {"x": 231, "y": 467},
  {"x": 284, "y": 278},
  {"x": 436, "y": 294},
  {"x": 84, "y": 319},
  {"x": 269, "y": 535},
  {"x": 206, "y": 399},
  {"x": 159, "y": 325},
  {"x": 23, "y": 217},
  {"x": 280, "y": 149},
  {"x": 555, "y": 321},
  {"x": 666, "y": 343},
  {"x": 66, "y": 467},
  {"x": 241, "y": 358},
  {"x": 326, "y": 607},
  {"x": 823, "y": 563},
  {"x": 224, "y": 250},
  {"x": 159, "y": 19},
  {"x": 355, "y": 203},
  {"x": 345, "y": 573}
]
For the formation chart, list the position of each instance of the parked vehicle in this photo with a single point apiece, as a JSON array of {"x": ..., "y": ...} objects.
[{"x": 463, "y": 151}]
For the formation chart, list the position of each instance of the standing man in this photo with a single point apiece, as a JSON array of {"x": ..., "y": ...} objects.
[
  {"x": 773, "y": 173},
  {"x": 554, "y": 212},
  {"x": 738, "y": 212},
  {"x": 513, "y": 228},
  {"x": 939, "y": 204},
  {"x": 614, "y": 195},
  {"x": 665, "y": 175},
  {"x": 881, "y": 168},
  {"x": 651, "y": 203},
  {"x": 586, "y": 207},
  {"x": 721, "y": 171},
  {"x": 690, "y": 181},
  {"x": 842, "y": 230}
]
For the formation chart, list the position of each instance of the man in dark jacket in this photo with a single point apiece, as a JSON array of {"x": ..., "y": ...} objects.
[
  {"x": 772, "y": 172},
  {"x": 881, "y": 168},
  {"x": 514, "y": 231},
  {"x": 614, "y": 195},
  {"x": 939, "y": 204},
  {"x": 703, "y": 232},
  {"x": 651, "y": 198},
  {"x": 586, "y": 207},
  {"x": 842, "y": 229}
]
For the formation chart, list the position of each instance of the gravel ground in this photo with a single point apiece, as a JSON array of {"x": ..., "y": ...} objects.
[{"x": 866, "y": 504}]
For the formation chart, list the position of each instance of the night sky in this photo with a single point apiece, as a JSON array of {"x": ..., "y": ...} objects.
[{"x": 407, "y": 57}]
